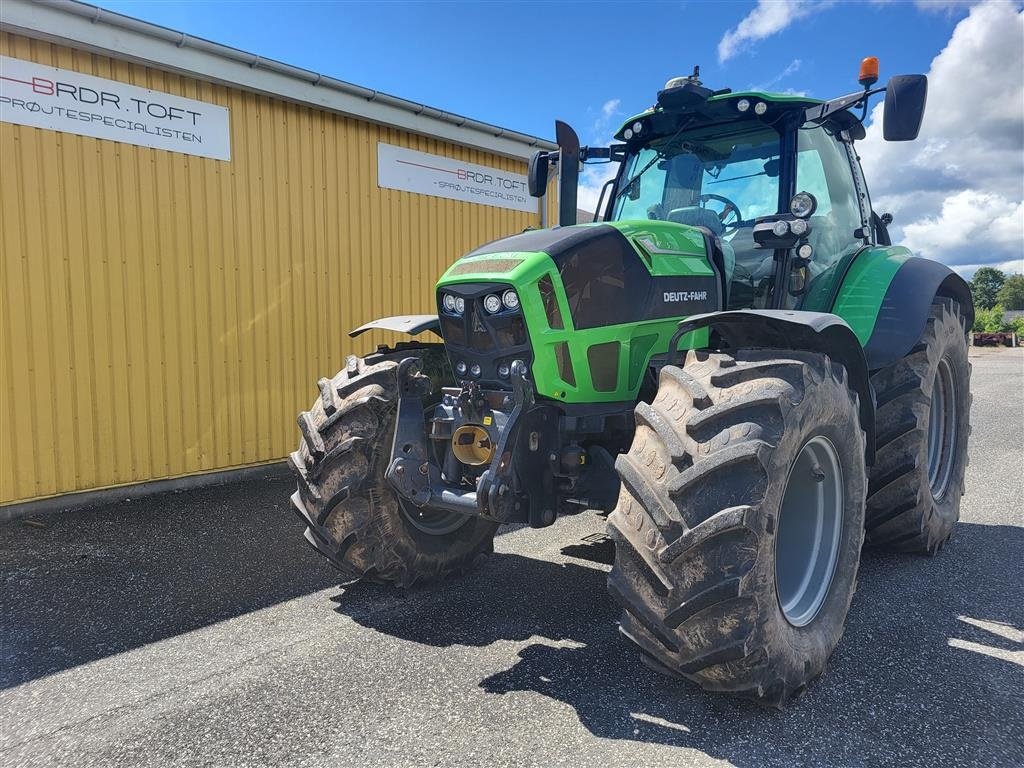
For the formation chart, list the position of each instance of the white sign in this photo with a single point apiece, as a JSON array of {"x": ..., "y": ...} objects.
[
  {"x": 62, "y": 100},
  {"x": 412, "y": 171}
]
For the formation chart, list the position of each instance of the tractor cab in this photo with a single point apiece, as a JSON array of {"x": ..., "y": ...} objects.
[{"x": 773, "y": 179}]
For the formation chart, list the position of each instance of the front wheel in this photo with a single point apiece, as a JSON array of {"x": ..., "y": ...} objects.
[
  {"x": 740, "y": 521},
  {"x": 353, "y": 517}
]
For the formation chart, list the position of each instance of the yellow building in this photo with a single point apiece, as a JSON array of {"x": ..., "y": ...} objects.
[{"x": 188, "y": 231}]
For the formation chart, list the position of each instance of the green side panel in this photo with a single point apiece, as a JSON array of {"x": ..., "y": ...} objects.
[
  {"x": 619, "y": 353},
  {"x": 860, "y": 296}
]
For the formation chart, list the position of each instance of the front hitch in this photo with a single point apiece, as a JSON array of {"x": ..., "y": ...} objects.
[{"x": 413, "y": 471}]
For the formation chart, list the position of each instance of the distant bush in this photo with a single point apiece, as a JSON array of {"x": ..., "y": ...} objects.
[
  {"x": 1017, "y": 326},
  {"x": 990, "y": 321}
]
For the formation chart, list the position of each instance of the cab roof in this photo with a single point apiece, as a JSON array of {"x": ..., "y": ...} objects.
[{"x": 721, "y": 106}]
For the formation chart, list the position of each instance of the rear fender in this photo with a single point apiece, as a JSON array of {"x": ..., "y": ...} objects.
[
  {"x": 886, "y": 297},
  {"x": 818, "y": 332}
]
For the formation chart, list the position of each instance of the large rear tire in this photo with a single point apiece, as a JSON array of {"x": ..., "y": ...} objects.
[
  {"x": 353, "y": 517},
  {"x": 740, "y": 521},
  {"x": 923, "y": 404}
]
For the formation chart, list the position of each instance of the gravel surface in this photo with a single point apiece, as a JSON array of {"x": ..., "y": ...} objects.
[{"x": 196, "y": 628}]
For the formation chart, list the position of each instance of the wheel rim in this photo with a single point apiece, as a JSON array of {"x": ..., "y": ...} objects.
[
  {"x": 810, "y": 524},
  {"x": 941, "y": 429},
  {"x": 436, "y": 522}
]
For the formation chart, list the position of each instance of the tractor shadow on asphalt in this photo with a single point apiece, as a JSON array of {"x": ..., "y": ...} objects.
[
  {"x": 84, "y": 585},
  {"x": 929, "y": 670}
]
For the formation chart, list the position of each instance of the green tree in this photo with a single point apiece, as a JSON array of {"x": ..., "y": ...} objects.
[
  {"x": 1011, "y": 293},
  {"x": 985, "y": 285}
]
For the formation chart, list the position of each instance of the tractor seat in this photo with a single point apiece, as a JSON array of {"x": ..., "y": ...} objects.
[{"x": 696, "y": 216}]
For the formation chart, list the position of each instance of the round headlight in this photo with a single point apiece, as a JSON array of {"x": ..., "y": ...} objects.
[
  {"x": 460, "y": 368},
  {"x": 492, "y": 303},
  {"x": 503, "y": 370},
  {"x": 780, "y": 228},
  {"x": 803, "y": 205},
  {"x": 627, "y": 134},
  {"x": 448, "y": 301},
  {"x": 760, "y": 108},
  {"x": 510, "y": 299},
  {"x": 460, "y": 304},
  {"x": 475, "y": 370},
  {"x": 805, "y": 251},
  {"x": 743, "y": 105},
  {"x": 799, "y": 227},
  {"x": 637, "y": 127},
  {"x": 520, "y": 365}
]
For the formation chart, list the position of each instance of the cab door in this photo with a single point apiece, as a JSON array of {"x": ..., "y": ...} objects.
[{"x": 840, "y": 223}]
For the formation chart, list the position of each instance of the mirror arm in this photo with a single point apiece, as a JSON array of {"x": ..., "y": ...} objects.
[{"x": 819, "y": 112}]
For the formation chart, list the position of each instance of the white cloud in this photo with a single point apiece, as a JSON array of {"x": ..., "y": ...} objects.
[
  {"x": 768, "y": 18},
  {"x": 956, "y": 193},
  {"x": 767, "y": 85},
  {"x": 594, "y": 175}
]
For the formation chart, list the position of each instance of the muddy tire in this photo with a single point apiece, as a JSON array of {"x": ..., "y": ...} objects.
[
  {"x": 725, "y": 471},
  {"x": 352, "y": 516},
  {"x": 923, "y": 404}
]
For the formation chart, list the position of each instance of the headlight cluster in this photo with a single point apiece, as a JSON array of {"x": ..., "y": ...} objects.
[
  {"x": 493, "y": 303},
  {"x": 454, "y": 304},
  {"x": 474, "y": 370}
]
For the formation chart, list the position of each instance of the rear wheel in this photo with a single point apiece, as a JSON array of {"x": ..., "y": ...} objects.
[
  {"x": 922, "y": 425},
  {"x": 740, "y": 521},
  {"x": 353, "y": 517}
]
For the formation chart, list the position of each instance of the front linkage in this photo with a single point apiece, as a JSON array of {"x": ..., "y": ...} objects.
[{"x": 532, "y": 466}]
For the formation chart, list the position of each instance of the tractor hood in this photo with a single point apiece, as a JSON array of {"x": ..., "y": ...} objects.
[{"x": 588, "y": 304}]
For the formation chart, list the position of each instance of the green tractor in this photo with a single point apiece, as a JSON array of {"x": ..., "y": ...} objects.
[{"x": 733, "y": 363}]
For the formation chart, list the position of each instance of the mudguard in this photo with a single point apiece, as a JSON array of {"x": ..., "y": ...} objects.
[
  {"x": 410, "y": 324},
  {"x": 906, "y": 307},
  {"x": 886, "y": 296},
  {"x": 818, "y": 332}
]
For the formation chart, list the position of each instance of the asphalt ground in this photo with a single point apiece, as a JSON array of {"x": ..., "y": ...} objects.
[{"x": 197, "y": 628}]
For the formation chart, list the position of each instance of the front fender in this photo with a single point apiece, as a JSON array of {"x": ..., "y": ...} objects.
[
  {"x": 818, "y": 332},
  {"x": 410, "y": 324}
]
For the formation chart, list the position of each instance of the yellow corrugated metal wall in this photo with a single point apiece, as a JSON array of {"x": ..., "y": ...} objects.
[{"x": 166, "y": 314}]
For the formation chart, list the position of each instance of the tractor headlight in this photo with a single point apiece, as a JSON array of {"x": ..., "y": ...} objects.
[
  {"x": 627, "y": 134},
  {"x": 760, "y": 108},
  {"x": 803, "y": 205},
  {"x": 805, "y": 251},
  {"x": 460, "y": 368},
  {"x": 743, "y": 105},
  {"x": 460, "y": 305},
  {"x": 474, "y": 371},
  {"x": 503, "y": 370},
  {"x": 492, "y": 303},
  {"x": 637, "y": 127},
  {"x": 448, "y": 302},
  {"x": 799, "y": 227},
  {"x": 780, "y": 228},
  {"x": 510, "y": 299}
]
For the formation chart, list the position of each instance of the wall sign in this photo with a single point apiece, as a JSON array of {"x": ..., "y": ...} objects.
[
  {"x": 62, "y": 100},
  {"x": 412, "y": 171}
]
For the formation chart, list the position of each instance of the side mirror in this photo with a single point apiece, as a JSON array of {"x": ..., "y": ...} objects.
[
  {"x": 537, "y": 174},
  {"x": 905, "y": 97}
]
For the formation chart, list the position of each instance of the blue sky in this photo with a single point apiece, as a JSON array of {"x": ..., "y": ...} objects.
[
  {"x": 958, "y": 193},
  {"x": 507, "y": 63}
]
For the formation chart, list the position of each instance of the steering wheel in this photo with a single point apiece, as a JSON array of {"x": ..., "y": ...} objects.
[{"x": 730, "y": 208}]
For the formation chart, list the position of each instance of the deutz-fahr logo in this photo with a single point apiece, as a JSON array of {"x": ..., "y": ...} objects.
[{"x": 686, "y": 296}]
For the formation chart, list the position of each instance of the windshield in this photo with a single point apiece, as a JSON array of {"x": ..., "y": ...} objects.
[
  {"x": 717, "y": 177},
  {"x": 740, "y": 165}
]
